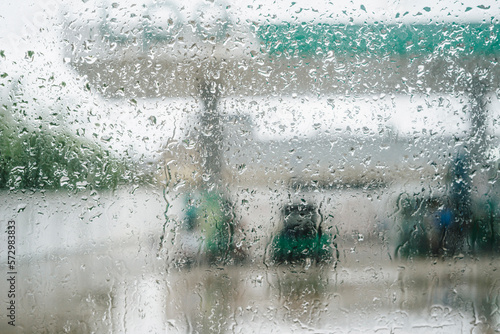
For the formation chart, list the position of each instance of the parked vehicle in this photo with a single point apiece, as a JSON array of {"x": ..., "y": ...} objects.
[{"x": 301, "y": 236}]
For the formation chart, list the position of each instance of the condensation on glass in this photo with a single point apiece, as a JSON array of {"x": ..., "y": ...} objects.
[{"x": 249, "y": 167}]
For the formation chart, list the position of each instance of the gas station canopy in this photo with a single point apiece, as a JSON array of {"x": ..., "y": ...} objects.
[{"x": 168, "y": 49}]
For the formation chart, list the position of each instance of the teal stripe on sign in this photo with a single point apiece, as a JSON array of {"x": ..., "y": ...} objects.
[{"x": 379, "y": 40}]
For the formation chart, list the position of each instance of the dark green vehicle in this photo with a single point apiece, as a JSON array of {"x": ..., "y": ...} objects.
[{"x": 301, "y": 236}]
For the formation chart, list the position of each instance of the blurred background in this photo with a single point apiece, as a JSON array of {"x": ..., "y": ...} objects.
[{"x": 251, "y": 167}]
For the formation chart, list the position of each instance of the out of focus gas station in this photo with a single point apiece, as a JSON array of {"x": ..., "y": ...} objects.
[{"x": 196, "y": 167}]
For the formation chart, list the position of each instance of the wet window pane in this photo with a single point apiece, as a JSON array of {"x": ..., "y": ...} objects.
[{"x": 249, "y": 167}]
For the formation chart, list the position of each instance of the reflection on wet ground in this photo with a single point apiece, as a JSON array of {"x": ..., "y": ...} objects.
[
  {"x": 104, "y": 273},
  {"x": 391, "y": 298},
  {"x": 97, "y": 293}
]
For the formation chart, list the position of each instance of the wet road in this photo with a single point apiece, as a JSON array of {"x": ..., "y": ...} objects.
[{"x": 92, "y": 263}]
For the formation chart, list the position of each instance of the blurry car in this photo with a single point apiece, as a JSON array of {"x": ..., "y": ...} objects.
[{"x": 301, "y": 236}]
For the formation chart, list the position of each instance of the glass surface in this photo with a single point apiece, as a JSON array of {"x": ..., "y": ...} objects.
[{"x": 249, "y": 166}]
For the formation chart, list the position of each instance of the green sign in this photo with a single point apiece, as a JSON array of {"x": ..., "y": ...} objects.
[{"x": 380, "y": 40}]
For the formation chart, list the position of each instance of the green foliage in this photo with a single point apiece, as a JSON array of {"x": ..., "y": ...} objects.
[{"x": 39, "y": 159}]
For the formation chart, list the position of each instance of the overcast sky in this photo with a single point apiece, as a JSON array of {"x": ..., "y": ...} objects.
[{"x": 22, "y": 17}]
